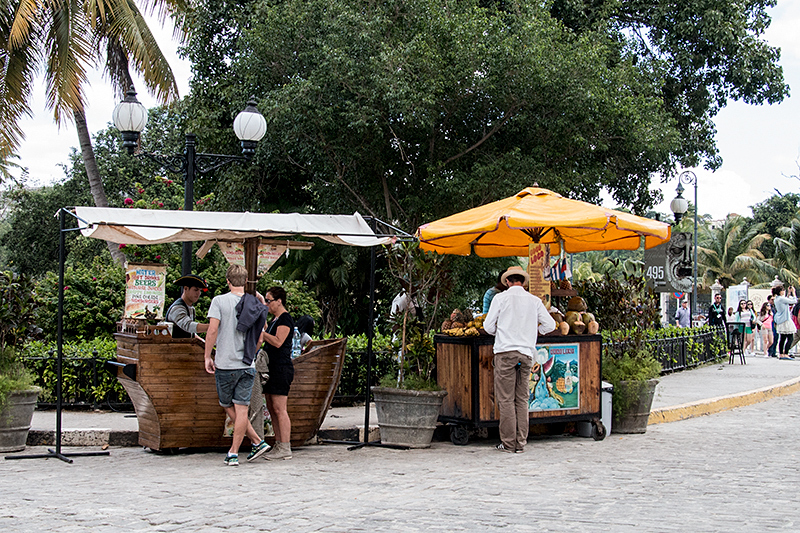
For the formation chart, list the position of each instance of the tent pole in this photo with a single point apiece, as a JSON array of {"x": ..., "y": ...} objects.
[
  {"x": 251, "y": 264},
  {"x": 59, "y": 357}
]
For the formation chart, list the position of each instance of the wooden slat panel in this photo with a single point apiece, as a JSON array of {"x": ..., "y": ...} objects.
[{"x": 453, "y": 374}]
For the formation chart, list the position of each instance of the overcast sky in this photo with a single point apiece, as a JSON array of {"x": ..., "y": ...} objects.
[{"x": 760, "y": 145}]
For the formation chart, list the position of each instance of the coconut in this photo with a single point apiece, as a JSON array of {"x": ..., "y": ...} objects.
[
  {"x": 587, "y": 317},
  {"x": 576, "y": 303}
]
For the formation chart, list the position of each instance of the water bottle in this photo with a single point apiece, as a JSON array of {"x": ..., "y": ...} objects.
[{"x": 296, "y": 348}]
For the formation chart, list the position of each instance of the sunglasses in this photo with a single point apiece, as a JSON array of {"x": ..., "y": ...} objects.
[{"x": 268, "y": 300}]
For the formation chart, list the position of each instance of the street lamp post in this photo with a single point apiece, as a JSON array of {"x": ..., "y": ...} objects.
[
  {"x": 130, "y": 118},
  {"x": 679, "y": 206}
]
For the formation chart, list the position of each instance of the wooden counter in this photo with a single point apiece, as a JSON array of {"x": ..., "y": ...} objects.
[{"x": 464, "y": 368}]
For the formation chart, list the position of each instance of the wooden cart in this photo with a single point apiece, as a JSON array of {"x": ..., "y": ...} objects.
[{"x": 464, "y": 368}]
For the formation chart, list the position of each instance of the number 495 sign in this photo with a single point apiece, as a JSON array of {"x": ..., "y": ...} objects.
[{"x": 668, "y": 267}]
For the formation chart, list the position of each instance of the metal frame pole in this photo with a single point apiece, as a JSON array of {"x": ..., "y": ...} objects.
[
  {"x": 188, "y": 198},
  {"x": 59, "y": 357}
]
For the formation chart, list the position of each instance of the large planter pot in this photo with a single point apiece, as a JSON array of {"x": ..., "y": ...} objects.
[
  {"x": 632, "y": 401},
  {"x": 15, "y": 419},
  {"x": 407, "y": 417}
]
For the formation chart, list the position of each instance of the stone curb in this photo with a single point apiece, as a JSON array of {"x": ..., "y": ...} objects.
[
  {"x": 722, "y": 403},
  {"x": 102, "y": 437},
  {"x": 84, "y": 437}
]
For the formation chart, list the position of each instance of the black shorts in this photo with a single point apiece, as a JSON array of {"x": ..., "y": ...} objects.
[{"x": 280, "y": 379}]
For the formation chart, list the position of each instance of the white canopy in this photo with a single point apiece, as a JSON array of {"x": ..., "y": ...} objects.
[{"x": 147, "y": 226}]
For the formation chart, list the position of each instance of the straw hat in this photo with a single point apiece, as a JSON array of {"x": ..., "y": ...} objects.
[{"x": 515, "y": 270}]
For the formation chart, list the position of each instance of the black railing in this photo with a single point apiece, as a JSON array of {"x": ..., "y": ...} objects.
[
  {"x": 683, "y": 351},
  {"x": 85, "y": 382}
]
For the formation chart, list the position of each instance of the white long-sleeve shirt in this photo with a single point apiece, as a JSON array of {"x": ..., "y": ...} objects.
[{"x": 515, "y": 318}]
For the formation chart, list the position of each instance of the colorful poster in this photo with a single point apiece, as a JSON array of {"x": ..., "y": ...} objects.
[
  {"x": 267, "y": 254},
  {"x": 538, "y": 268},
  {"x": 554, "y": 380},
  {"x": 144, "y": 291}
]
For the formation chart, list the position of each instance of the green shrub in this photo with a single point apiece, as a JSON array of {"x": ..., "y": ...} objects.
[
  {"x": 17, "y": 314},
  {"x": 94, "y": 299}
]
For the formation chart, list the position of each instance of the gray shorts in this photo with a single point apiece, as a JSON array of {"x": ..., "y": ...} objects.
[{"x": 234, "y": 386}]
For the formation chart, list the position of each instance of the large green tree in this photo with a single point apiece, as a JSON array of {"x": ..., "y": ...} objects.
[
  {"x": 410, "y": 109},
  {"x": 706, "y": 51}
]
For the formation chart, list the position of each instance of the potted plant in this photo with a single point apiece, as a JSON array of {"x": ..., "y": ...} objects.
[
  {"x": 628, "y": 309},
  {"x": 408, "y": 400},
  {"x": 17, "y": 393}
]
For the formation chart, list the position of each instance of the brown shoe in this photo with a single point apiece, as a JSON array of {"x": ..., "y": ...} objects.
[{"x": 281, "y": 450}]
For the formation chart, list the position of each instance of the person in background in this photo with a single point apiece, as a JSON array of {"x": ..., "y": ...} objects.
[
  {"x": 765, "y": 318},
  {"x": 746, "y": 317},
  {"x": 490, "y": 293},
  {"x": 181, "y": 312},
  {"x": 716, "y": 312},
  {"x": 234, "y": 378},
  {"x": 512, "y": 318},
  {"x": 774, "y": 346},
  {"x": 278, "y": 338},
  {"x": 730, "y": 313},
  {"x": 305, "y": 325},
  {"x": 754, "y": 326},
  {"x": 783, "y": 317},
  {"x": 683, "y": 316}
]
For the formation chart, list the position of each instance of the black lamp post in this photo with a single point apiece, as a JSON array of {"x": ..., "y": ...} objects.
[
  {"x": 130, "y": 118},
  {"x": 679, "y": 205}
]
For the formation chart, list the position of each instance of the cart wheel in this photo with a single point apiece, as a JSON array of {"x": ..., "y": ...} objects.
[
  {"x": 459, "y": 435},
  {"x": 598, "y": 430}
]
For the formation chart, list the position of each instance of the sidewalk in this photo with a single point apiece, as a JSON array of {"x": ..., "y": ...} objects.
[{"x": 679, "y": 396}]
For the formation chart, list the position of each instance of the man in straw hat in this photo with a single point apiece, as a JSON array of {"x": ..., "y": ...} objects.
[
  {"x": 181, "y": 312},
  {"x": 512, "y": 319}
]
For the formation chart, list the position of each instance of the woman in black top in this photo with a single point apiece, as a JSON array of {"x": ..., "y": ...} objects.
[{"x": 278, "y": 338}]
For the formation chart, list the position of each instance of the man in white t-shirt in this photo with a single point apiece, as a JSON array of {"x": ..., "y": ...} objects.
[
  {"x": 233, "y": 377},
  {"x": 513, "y": 318}
]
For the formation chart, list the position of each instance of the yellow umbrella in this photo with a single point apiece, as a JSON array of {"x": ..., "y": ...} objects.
[{"x": 508, "y": 226}]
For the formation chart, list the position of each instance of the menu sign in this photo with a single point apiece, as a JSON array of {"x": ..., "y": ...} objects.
[
  {"x": 538, "y": 264},
  {"x": 268, "y": 254},
  {"x": 144, "y": 291}
]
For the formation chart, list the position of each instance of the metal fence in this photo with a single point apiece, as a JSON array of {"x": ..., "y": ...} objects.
[
  {"x": 682, "y": 351},
  {"x": 86, "y": 383}
]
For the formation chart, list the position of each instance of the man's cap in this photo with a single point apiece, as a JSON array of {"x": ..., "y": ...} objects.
[{"x": 191, "y": 280}]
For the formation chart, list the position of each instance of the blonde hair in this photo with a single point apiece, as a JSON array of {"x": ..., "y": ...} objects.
[{"x": 236, "y": 275}]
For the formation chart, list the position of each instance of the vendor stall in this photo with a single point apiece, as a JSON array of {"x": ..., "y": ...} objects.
[
  {"x": 565, "y": 382},
  {"x": 566, "y": 388},
  {"x": 174, "y": 397}
]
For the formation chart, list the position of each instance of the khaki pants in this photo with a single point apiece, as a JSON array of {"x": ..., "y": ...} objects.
[{"x": 512, "y": 371}]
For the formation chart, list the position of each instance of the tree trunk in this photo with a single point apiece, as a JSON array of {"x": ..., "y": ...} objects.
[{"x": 95, "y": 182}]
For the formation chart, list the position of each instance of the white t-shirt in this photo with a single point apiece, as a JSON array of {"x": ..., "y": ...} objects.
[{"x": 230, "y": 342}]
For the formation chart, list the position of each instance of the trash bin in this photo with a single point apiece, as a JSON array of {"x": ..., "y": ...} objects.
[{"x": 605, "y": 405}]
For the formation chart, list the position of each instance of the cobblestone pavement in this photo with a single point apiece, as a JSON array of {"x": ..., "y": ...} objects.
[{"x": 732, "y": 471}]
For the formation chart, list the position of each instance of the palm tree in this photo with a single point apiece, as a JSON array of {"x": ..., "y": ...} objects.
[
  {"x": 787, "y": 251},
  {"x": 730, "y": 253},
  {"x": 70, "y": 37}
]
